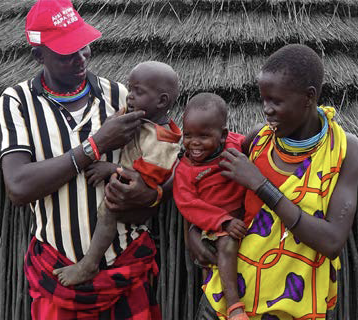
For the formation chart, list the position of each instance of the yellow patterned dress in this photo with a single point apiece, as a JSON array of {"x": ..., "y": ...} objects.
[{"x": 287, "y": 279}]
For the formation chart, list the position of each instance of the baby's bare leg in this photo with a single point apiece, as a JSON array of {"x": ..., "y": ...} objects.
[
  {"x": 87, "y": 267},
  {"x": 227, "y": 263}
]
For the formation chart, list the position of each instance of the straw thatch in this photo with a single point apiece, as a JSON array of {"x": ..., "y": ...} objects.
[{"x": 215, "y": 45}]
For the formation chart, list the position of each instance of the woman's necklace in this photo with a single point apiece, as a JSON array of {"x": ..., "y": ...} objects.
[
  {"x": 295, "y": 151},
  {"x": 79, "y": 93}
]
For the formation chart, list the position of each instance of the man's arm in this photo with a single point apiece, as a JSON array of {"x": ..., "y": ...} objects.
[{"x": 28, "y": 181}]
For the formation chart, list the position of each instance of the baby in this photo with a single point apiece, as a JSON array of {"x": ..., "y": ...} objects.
[
  {"x": 153, "y": 87},
  {"x": 206, "y": 198}
]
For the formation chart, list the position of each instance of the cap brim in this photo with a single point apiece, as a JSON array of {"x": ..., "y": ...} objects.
[{"x": 73, "y": 41}]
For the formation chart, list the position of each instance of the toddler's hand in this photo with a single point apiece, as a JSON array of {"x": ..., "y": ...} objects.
[
  {"x": 98, "y": 171},
  {"x": 236, "y": 228}
]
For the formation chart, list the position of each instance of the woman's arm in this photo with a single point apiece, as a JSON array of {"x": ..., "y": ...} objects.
[{"x": 327, "y": 236}]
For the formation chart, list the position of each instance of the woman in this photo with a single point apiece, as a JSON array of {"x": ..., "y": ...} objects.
[{"x": 302, "y": 186}]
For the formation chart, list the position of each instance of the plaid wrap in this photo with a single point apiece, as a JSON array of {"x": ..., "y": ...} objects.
[{"x": 122, "y": 291}]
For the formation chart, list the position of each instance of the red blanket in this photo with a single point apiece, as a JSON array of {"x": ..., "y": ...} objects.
[{"x": 120, "y": 292}]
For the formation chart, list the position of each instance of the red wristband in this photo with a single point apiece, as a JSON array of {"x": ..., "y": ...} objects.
[{"x": 94, "y": 148}]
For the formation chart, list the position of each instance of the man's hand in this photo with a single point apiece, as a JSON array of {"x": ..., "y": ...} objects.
[
  {"x": 236, "y": 228},
  {"x": 117, "y": 130},
  {"x": 98, "y": 171},
  {"x": 121, "y": 196}
]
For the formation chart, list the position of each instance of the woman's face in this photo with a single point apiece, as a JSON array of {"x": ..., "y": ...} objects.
[{"x": 287, "y": 110}]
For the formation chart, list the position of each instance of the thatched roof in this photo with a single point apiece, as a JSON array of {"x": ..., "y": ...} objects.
[{"x": 215, "y": 45}]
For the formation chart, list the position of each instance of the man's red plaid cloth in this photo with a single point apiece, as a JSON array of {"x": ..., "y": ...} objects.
[{"x": 120, "y": 292}]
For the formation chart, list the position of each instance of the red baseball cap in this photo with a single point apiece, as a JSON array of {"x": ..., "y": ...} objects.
[{"x": 58, "y": 26}]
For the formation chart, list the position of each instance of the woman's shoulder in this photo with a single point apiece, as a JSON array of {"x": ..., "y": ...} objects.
[
  {"x": 352, "y": 151},
  {"x": 250, "y": 137}
]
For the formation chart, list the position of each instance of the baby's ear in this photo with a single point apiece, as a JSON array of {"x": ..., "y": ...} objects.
[
  {"x": 224, "y": 134},
  {"x": 163, "y": 100}
]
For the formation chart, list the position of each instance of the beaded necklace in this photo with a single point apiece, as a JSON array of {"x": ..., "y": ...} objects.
[
  {"x": 79, "y": 93},
  {"x": 295, "y": 151}
]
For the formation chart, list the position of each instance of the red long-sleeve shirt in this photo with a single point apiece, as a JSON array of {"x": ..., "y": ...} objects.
[{"x": 203, "y": 196}]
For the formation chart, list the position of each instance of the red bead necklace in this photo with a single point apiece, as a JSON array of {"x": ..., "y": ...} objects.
[{"x": 67, "y": 94}]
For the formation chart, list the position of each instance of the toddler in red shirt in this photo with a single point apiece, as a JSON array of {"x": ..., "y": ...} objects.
[{"x": 204, "y": 197}]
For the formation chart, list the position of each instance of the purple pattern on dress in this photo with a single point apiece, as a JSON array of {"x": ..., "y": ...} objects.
[
  {"x": 332, "y": 273},
  {"x": 268, "y": 316},
  {"x": 296, "y": 240},
  {"x": 256, "y": 140},
  {"x": 319, "y": 214},
  {"x": 294, "y": 288},
  {"x": 241, "y": 285},
  {"x": 217, "y": 296},
  {"x": 319, "y": 174},
  {"x": 209, "y": 276},
  {"x": 262, "y": 224},
  {"x": 302, "y": 168}
]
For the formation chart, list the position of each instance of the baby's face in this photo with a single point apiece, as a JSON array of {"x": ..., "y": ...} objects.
[
  {"x": 142, "y": 95},
  {"x": 201, "y": 134}
]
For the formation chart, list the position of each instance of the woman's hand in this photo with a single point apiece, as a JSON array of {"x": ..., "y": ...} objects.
[
  {"x": 199, "y": 251},
  {"x": 238, "y": 168}
]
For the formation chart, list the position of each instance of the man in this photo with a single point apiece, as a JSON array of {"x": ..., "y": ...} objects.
[{"x": 53, "y": 126}]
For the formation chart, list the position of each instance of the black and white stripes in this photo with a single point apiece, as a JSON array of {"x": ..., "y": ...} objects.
[{"x": 32, "y": 123}]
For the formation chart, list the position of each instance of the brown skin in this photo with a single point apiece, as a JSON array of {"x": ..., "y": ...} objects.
[
  {"x": 152, "y": 88},
  {"x": 310, "y": 230},
  {"x": 203, "y": 132},
  {"x": 23, "y": 178},
  {"x": 28, "y": 181}
]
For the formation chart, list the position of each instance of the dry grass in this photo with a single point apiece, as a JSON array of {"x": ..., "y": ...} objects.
[
  {"x": 234, "y": 78},
  {"x": 202, "y": 33}
]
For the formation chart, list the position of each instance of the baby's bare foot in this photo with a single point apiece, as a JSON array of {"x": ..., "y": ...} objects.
[{"x": 77, "y": 273}]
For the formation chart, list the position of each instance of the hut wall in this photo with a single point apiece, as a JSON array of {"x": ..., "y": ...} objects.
[{"x": 215, "y": 45}]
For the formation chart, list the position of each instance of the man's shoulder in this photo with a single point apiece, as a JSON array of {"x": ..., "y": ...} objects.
[{"x": 18, "y": 91}]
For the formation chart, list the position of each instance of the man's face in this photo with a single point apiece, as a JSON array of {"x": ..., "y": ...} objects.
[{"x": 65, "y": 72}]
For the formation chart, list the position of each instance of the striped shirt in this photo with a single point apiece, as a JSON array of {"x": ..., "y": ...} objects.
[{"x": 31, "y": 123}]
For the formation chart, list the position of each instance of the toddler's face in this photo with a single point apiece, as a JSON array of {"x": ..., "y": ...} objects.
[
  {"x": 142, "y": 95},
  {"x": 202, "y": 134}
]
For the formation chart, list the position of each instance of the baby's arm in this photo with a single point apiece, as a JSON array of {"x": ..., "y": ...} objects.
[{"x": 99, "y": 171}]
